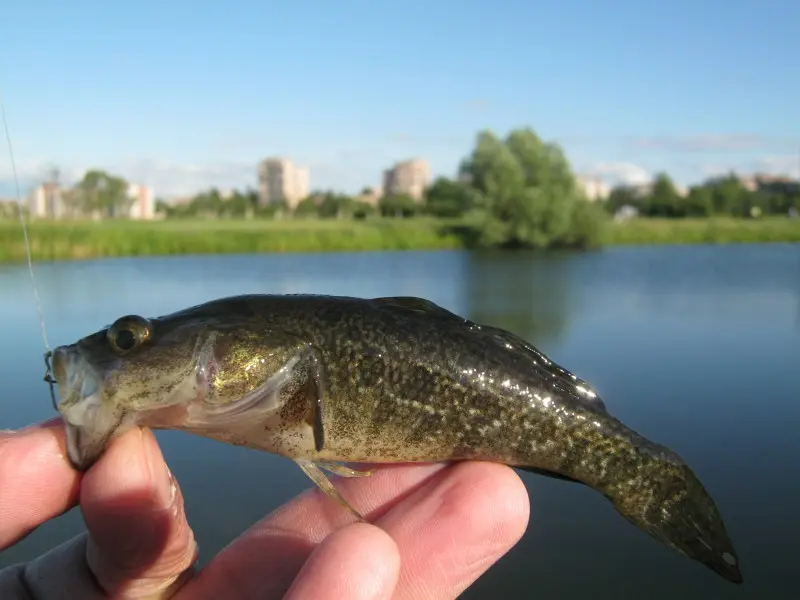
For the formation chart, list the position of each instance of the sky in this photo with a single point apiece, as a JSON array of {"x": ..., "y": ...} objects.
[{"x": 185, "y": 95}]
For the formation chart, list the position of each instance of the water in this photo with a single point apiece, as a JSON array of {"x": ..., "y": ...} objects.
[{"x": 696, "y": 347}]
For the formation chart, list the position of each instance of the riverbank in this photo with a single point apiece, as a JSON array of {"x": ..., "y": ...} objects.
[{"x": 81, "y": 240}]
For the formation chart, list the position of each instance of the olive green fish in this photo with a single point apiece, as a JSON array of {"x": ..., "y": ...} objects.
[{"x": 327, "y": 380}]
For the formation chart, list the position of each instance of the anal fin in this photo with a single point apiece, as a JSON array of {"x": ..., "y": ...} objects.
[{"x": 312, "y": 469}]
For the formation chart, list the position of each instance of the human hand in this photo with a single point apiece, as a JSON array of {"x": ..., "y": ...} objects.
[{"x": 436, "y": 529}]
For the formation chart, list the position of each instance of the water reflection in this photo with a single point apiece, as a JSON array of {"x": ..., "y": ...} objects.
[{"x": 523, "y": 293}]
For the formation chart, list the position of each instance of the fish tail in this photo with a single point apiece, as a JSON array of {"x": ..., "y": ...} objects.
[
  {"x": 666, "y": 499},
  {"x": 647, "y": 483}
]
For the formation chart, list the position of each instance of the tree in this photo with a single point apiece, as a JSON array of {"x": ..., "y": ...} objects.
[
  {"x": 526, "y": 193},
  {"x": 623, "y": 195},
  {"x": 664, "y": 200},
  {"x": 397, "y": 206},
  {"x": 100, "y": 192},
  {"x": 335, "y": 206},
  {"x": 362, "y": 209},
  {"x": 162, "y": 206},
  {"x": 307, "y": 207},
  {"x": 237, "y": 205},
  {"x": 209, "y": 203},
  {"x": 448, "y": 198},
  {"x": 699, "y": 202}
]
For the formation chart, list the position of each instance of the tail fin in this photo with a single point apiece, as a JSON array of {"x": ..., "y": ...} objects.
[{"x": 672, "y": 505}]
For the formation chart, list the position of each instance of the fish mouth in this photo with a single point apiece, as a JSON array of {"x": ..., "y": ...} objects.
[{"x": 88, "y": 422}]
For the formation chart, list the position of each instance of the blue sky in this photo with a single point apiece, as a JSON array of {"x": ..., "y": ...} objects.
[{"x": 182, "y": 95}]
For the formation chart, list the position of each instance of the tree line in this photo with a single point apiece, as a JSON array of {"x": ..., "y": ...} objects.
[
  {"x": 99, "y": 194},
  {"x": 516, "y": 191},
  {"x": 725, "y": 195}
]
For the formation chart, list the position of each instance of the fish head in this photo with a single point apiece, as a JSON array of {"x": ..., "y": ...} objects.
[{"x": 153, "y": 372}]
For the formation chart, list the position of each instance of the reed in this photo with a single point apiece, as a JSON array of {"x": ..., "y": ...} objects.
[{"x": 65, "y": 240}]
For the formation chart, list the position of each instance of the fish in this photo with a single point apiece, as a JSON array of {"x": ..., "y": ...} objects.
[{"x": 332, "y": 382}]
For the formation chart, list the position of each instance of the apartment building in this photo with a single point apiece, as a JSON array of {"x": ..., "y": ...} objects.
[
  {"x": 769, "y": 182},
  {"x": 594, "y": 187},
  {"x": 143, "y": 204},
  {"x": 410, "y": 177},
  {"x": 50, "y": 201},
  {"x": 46, "y": 202},
  {"x": 280, "y": 179}
]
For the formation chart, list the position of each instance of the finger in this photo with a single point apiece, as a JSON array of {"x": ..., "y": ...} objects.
[
  {"x": 454, "y": 528},
  {"x": 358, "y": 562},
  {"x": 37, "y": 482},
  {"x": 140, "y": 542},
  {"x": 264, "y": 560}
]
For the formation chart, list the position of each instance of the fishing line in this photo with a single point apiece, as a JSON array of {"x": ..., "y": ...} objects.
[{"x": 48, "y": 352}]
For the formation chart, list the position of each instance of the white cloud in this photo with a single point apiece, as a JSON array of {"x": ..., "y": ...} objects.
[
  {"x": 166, "y": 178},
  {"x": 173, "y": 179},
  {"x": 33, "y": 172},
  {"x": 620, "y": 173},
  {"x": 170, "y": 179},
  {"x": 702, "y": 143},
  {"x": 715, "y": 142},
  {"x": 779, "y": 164},
  {"x": 714, "y": 169},
  {"x": 773, "y": 164}
]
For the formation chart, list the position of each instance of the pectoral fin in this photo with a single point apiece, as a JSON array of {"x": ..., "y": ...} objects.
[
  {"x": 312, "y": 469},
  {"x": 302, "y": 373},
  {"x": 262, "y": 401}
]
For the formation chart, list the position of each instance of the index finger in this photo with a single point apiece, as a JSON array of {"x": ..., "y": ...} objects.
[
  {"x": 37, "y": 482},
  {"x": 450, "y": 523}
]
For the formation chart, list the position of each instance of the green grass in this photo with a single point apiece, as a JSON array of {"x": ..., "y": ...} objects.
[
  {"x": 723, "y": 230},
  {"x": 52, "y": 240}
]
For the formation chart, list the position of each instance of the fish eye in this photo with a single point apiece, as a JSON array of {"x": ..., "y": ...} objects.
[{"x": 127, "y": 333}]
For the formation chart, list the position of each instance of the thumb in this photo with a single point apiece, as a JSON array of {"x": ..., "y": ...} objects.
[{"x": 140, "y": 544}]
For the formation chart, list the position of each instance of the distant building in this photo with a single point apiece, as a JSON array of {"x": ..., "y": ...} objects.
[
  {"x": 594, "y": 187},
  {"x": 279, "y": 179},
  {"x": 50, "y": 201},
  {"x": 143, "y": 205},
  {"x": 770, "y": 183},
  {"x": 410, "y": 177},
  {"x": 46, "y": 202},
  {"x": 626, "y": 213}
]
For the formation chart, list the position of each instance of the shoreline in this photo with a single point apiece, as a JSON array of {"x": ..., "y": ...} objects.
[{"x": 76, "y": 240}]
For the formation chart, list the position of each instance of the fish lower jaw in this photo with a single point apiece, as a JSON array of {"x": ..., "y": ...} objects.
[
  {"x": 77, "y": 458},
  {"x": 88, "y": 427}
]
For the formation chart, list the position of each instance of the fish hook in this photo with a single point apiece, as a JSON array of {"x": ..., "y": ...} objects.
[{"x": 48, "y": 377}]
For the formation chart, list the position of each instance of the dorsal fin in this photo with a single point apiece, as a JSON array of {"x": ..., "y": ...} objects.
[
  {"x": 575, "y": 384},
  {"x": 418, "y": 305}
]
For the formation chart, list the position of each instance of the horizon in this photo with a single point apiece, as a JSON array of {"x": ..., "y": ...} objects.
[{"x": 172, "y": 97}]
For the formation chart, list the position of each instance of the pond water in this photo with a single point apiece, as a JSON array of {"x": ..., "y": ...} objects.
[{"x": 697, "y": 347}]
